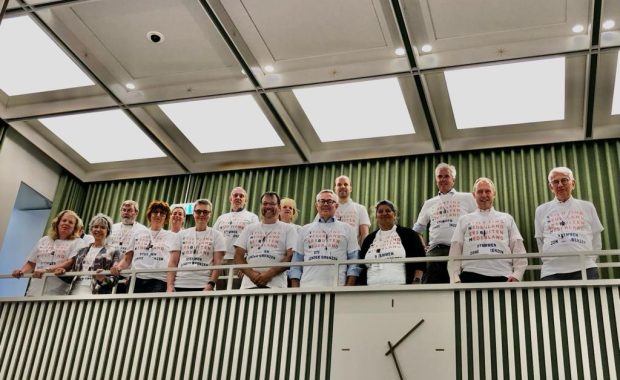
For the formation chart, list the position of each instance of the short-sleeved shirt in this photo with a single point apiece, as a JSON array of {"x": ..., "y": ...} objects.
[
  {"x": 47, "y": 252},
  {"x": 265, "y": 244},
  {"x": 351, "y": 213},
  {"x": 320, "y": 241},
  {"x": 122, "y": 235},
  {"x": 151, "y": 250},
  {"x": 386, "y": 245},
  {"x": 566, "y": 227},
  {"x": 197, "y": 248},
  {"x": 487, "y": 232},
  {"x": 443, "y": 212},
  {"x": 230, "y": 225}
]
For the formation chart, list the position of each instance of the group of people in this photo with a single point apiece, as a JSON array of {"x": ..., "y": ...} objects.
[{"x": 459, "y": 225}]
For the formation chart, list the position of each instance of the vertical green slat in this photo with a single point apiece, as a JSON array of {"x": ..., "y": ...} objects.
[
  {"x": 563, "y": 327},
  {"x": 481, "y": 332},
  {"x": 576, "y": 332},
  {"x": 457, "y": 333},
  {"x": 552, "y": 343},
  {"x": 601, "y": 332}
]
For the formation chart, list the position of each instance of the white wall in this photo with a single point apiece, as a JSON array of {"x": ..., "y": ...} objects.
[{"x": 21, "y": 162}]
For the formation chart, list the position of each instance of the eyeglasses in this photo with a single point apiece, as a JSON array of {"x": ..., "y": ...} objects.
[
  {"x": 563, "y": 181},
  {"x": 159, "y": 212},
  {"x": 202, "y": 212},
  {"x": 327, "y": 202}
]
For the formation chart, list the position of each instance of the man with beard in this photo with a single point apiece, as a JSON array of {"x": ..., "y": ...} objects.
[
  {"x": 270, "y": 241},
  {"x": 231, "y": 224},
  {"x": 123, "y": 233}
]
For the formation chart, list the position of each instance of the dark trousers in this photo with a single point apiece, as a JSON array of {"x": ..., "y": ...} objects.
[
  {"x": 591, "y": 273},
  {"x": 437, "y": 272},
  {"x": 149, "y": 286},
  {"x": 467, "y": 277}
]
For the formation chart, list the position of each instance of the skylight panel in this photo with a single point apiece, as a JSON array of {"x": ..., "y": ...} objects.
[
  {"x": 223, "y": 124},
  {"x": 32, "y": 62},
  {"x": 513, "y": 93},
  {"x": 615, "y": 103},
  {"x": 356, "y": 110},
  {"x": 105, "y": 136}
]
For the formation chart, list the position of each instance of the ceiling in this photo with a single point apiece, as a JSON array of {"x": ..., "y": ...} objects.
[{"x": 236, "y": 84}]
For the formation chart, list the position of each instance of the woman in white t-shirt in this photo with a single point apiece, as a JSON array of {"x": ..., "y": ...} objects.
[
  {"x": 97, "y": 256},
  {"x": 391, "y": 241},
  {"x": 62, "y": 242}
]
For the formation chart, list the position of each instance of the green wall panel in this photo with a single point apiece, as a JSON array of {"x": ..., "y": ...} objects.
[{"x": 519, "y": 173}]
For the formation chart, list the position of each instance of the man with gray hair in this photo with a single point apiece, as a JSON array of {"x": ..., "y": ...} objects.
[
  {"x": 566, "y": 224},
  {"x": 122, "y": 234},
  {"x": 486, "y": 232},
  {"x": 442, "y": 213},
  {"x": 325, "y": 239}
]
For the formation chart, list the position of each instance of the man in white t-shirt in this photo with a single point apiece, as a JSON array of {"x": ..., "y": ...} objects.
[
  {"x": 323, "y": 240},
  {"x": 486, "y": 232},
  {"x": 270, "y": 241},
  {"x": 231, "y": 224},
  {"x": 349, "y": 212},
  {"x": 566, "y": 224},
  {"x": 442, "y": 212},
  {"x": 123, "y": 233}
]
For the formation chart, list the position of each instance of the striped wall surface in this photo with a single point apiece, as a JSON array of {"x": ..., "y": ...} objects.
[
  {"x": 285, "y": 336},
  {"x": 552, "y": 333},
  {"x": 520, "y": 174}
]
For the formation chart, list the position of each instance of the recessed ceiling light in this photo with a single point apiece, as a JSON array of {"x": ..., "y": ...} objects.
[
  {"x": 130, "y": 86},
  {"x": 400, "y": 51},
  {"x": 427, "y": 48},
  {"x": 94, "y": 135},
  {"x": 269, "y": 69},
  {"x": 608, "y": 24},
  {"x": 223, "y": 124},
  {"x": 578, "y": 28},
  {"x": 32, "y": 62},
  {"x": 513, "y": 93},
  {"x": 356, "y": 110},
  {"x": 155, "y": 36}
]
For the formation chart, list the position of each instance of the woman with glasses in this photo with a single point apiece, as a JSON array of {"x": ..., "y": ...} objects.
[
  {"x": 201, "y": 246},
  {"x": 153, "y": 249},
  {"x": 97, "y": 256},
  {"x": 391, "y": 241}
]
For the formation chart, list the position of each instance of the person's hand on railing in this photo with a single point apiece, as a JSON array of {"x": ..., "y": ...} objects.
[
  {"x": 59, "y": 271},
  {"x": 115, "y": 270},
  {"x": 17, "y": 273},
  {"x": 38, "y": 273},
  {"x": 99, "y": 277}
]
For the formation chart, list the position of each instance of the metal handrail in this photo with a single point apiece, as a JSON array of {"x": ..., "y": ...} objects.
[{"x": 338, "y": 263}]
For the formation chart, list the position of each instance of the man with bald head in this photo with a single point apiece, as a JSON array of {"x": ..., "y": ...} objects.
[
  {"x": 349, "y": 212},
  {"x": 567, "y": 224},
  {"x": 486, "y": 232},
  {"x": 231, "y": 224}
]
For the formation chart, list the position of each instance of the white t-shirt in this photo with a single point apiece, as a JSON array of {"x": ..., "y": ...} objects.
[
  {"x": 230, "y": 225},
  {"x": 351, "y": 213},
  {"x": 122, "y": 235},
  {"x": 265, "y": 244},
  {"x": 151, "y": 250},
  {"x": 386, "y": 245},
  {"x": 443, "y": 212},
  {"x": 487, "y": 232},
  {"x": 47, "y": 252},
  {"x": 321, "y": 241},
  {"x": 566, "y": 227},
  {"x": 197, "y": 248}
]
